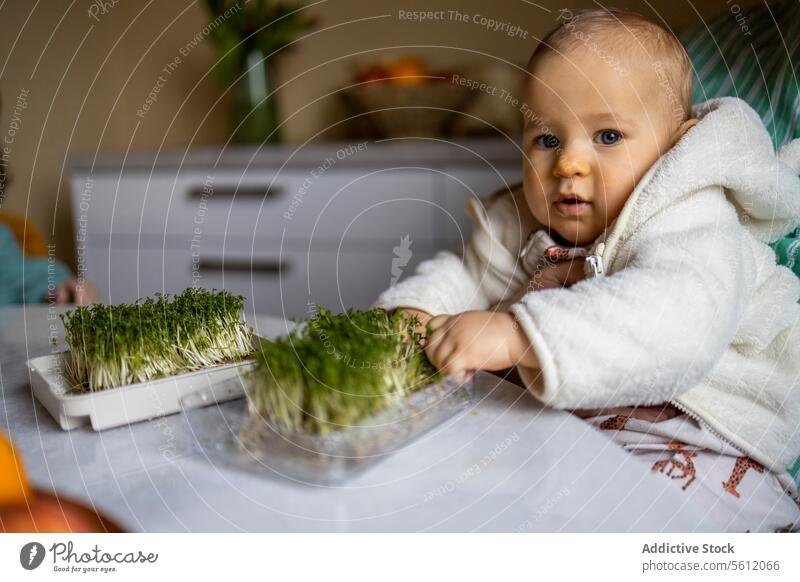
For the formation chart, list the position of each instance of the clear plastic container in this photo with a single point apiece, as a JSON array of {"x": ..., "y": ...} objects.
[{"x": 228, "y": 435}]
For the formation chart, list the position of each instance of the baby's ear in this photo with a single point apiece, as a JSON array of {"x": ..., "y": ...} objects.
[{"x": 682, "y": 129}]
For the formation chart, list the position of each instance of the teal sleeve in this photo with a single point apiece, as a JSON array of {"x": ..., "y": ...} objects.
[{"x": 24, "y": 279}]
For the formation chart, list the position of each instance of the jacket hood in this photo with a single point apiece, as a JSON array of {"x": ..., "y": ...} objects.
[{"x": 729, "y": 147}]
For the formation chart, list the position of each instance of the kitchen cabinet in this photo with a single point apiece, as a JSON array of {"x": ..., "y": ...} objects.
[{"x": 331, "y": 223}]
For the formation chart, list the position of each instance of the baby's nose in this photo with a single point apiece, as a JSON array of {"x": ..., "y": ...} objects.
[{"x": 571, "y": 166}]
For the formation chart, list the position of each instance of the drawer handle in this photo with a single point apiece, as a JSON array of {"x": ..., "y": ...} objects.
[
  {"x": 248, "y": 192},
  {"x": 265, "y": 266}
]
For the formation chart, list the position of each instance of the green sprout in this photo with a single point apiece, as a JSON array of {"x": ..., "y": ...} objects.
[
  {"x": 337, "y": 370},
  {"x": 117, "y": 345}
]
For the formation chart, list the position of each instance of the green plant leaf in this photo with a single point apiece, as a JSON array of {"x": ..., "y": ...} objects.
[{"x": 338, "y": 370}]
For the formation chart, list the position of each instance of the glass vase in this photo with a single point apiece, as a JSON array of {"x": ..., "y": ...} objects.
[{"x": 255, "y": 112}]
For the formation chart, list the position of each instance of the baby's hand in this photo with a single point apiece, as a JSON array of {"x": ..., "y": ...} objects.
[
  {"x": 422, "y": 316},
  {"x": 477, "y": 340},
  {"x": 77, "y": 292}
]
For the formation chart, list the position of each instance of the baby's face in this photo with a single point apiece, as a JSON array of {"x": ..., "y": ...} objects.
[{"x": 592, "y": 132}]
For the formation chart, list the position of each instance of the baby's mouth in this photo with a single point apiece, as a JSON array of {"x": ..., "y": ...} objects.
[{"x": 572, "y": 205}]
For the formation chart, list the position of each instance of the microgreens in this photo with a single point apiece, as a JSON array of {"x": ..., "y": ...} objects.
[
  {"x": 338, "y": 369},
  {"x": 116, "y": 345}
]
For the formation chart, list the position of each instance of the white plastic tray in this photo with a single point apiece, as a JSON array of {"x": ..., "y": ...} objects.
[{"x": 133, "y": 403}]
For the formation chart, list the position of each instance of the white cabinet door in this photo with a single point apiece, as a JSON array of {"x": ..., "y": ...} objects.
[
  {"x": 281, "y": 239},
  {"x": 277, "y": 281},
  {"x": 182, "y": 204},
  {"x": 354, "y": 276},
  {"x": 365, "y": 204},
  {"x": 124, "y": 275},
  {"x": 132, "y": 204}
]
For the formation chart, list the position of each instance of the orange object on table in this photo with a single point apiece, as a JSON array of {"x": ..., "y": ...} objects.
[
  {"x": 23, "y": 509},
  {"x": 14, "y": 487},
  {"x": 408, "y": 71}
]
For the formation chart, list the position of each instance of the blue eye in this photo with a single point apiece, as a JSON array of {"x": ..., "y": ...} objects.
[
  {"x": 548, "y": 141},
  {"x": 608, "y": 137}
]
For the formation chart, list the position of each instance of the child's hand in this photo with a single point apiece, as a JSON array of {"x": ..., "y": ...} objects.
[
  {"x": 77, "y": 292},
  {"x": 478, "y": 340},
  {"x": 422, "y": 316}
]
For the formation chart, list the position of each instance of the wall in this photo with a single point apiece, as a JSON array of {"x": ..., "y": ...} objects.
[{"x": 82, "y": 79}]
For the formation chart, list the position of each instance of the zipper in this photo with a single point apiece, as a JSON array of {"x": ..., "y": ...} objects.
[
  {"x": 597, "y": 266},
  {"x": 527, "y": 248},
  {"x": 594, "y": 262},
  {"x": 704, "y": 424}
]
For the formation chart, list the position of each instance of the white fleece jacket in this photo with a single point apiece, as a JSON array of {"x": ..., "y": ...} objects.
[{"x": 691, "y": 306}]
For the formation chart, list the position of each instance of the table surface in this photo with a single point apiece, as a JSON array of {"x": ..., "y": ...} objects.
[{"x": 504, "y": 464}]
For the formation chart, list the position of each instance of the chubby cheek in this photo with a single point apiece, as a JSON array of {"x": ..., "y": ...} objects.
[
  {"x": 615, "y": 186},
  {"x": 535, "y": 184}
]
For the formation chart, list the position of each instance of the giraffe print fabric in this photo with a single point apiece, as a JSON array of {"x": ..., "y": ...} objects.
[{"x": 728, "y": 487}]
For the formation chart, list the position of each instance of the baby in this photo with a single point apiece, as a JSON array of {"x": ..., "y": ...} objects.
[{"x": 629, "y": 279}]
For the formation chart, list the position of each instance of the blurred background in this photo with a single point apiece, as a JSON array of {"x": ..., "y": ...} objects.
[
  {"x": 291, "y": 153},
  {"x": 97, "y": 84}
]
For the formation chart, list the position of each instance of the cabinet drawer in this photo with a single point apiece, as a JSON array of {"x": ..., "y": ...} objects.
[
  {"x": 277, "y": 281},
  {"x": 124, "y": 275},
  {"x": 367, "y": 205},
  {"x": 364, "y": 204},
  {"x": 176, "y": 203}
]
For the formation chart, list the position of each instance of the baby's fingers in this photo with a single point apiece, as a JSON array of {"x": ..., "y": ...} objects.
[
  {"x": 440, "y": 355},
  {"x": 453, "y": 363},
  {"x": 438, "y": 321},
  {"x": 62, "y": 293},
  {"x": 435, "y": 329},
  {"x": 436, "y": 346},
  {"x": 444, "y": 354}
]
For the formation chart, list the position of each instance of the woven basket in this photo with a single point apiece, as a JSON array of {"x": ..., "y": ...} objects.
[{"x": 408, "y": 111}]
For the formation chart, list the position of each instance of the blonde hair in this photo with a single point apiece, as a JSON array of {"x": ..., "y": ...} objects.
[{"x": 627, "y": 34}]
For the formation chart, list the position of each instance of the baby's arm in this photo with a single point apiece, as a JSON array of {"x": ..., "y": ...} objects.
[
  {"x": 480, "y": 275},
  {"x": 493, "y": 340},
  {"x": 651, "y": 330},
  {"x": 646, "y": 333}
]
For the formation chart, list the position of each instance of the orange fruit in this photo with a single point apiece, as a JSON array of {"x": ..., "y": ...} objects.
[
  {"x": 14, "y": 486},
  {"x": 374, "y": 74},
  {"x": 48, "y": 515},
  {"x": 408, "y": 71},
  {"x": 24, "y": 510}
]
